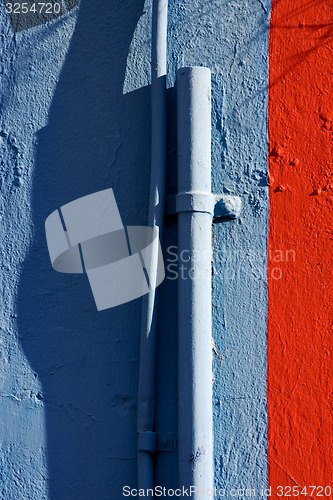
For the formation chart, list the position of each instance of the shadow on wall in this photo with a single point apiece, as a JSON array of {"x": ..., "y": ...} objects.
[
  {"x": 295, "y": 20},
  {"x": 87, "y": 361}
]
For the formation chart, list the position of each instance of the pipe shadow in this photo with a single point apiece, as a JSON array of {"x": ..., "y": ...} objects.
[{"x": 87, "y": 361}]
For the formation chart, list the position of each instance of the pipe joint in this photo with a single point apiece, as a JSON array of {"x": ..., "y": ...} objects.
[{"x": 195, "y": 201}]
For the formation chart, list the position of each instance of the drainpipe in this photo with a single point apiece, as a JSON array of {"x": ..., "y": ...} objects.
[
  {"x": 146, "y": 438},
  {"x": 195, "y": 207}
]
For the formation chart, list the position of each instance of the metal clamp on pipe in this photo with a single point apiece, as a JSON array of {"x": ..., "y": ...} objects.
[{"x": 146, "y": 441}]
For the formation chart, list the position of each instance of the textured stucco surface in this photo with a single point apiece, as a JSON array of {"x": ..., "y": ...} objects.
[{"x": 75, "y": 119}]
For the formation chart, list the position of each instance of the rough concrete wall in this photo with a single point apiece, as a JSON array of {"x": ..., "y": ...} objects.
[{"x": 74, "y": 120}]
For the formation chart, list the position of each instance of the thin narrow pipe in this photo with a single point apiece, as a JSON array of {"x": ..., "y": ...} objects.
[
  {"x": 195, "y": 207},
  {"x": 146, "y": 396}
]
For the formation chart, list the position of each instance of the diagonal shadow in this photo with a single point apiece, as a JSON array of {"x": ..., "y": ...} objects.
[{"x": 294, "y": 21}]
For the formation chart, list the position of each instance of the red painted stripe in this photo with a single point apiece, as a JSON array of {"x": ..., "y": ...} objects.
[{"x": 300, "y": 311}]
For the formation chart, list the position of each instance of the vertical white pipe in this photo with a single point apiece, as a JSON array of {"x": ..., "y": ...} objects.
[
  {"x": 195, "y": 430},
  {"x": 146, "y": 395}
]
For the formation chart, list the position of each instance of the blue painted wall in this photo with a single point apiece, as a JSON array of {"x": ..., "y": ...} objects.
[{"x": 75, "y": 119}]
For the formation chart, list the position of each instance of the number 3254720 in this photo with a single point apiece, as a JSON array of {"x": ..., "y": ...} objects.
[{"x": 36, "y": 8}]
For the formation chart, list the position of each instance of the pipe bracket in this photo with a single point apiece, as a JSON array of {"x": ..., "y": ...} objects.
[
  {"x": 227, "y": 206},
  {"x": 166, "y": 442}
]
